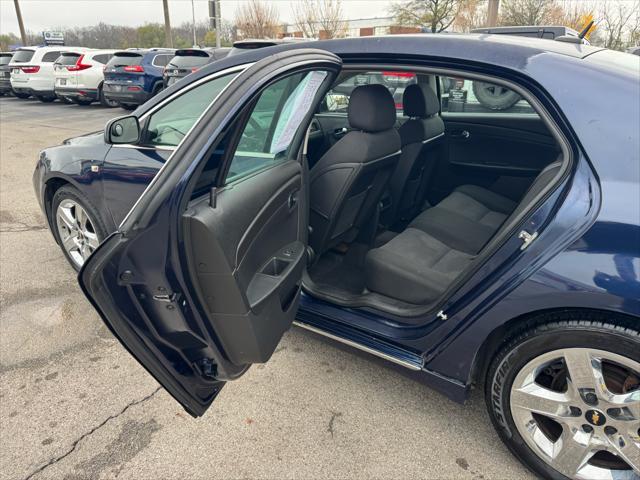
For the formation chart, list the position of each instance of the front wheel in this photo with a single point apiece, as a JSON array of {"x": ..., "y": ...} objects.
[
  {"x": 128, "y": 106},
  {"x": 565, "y": 398},
  {"x": 77, "y": 225},
  {"x": 44, "y": 99},
  {"x": 83, "y": 102},
  {"x": 21, "y": 95}
]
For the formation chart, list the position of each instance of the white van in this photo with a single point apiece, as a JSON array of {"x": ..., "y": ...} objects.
[
  {"x": 79, "y": 76},
  {"x": 32, "y": 71}
]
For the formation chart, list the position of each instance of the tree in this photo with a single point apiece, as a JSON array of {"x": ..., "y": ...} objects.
[
  {"x": 151, "y": 35},
  {"x": 436, "y": 15},
  {"x": 529, "y": 12},
  {"x": 471, "y": 14},
  {"x": 319, "y": 18},
  {"x": 8, "y": 39},
  {"x": 257, "y": 19},
  {"x": 619, "y": 23}
]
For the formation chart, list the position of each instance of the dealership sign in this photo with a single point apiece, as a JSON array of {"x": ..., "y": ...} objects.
[{"x": 53, "y": 38}]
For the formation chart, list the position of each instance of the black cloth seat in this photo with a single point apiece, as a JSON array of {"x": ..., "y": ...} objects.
[
  {"x": 347, "y": 182},
  {"x": 421, "y": 139},
  {"x": 419, "y": 264}
]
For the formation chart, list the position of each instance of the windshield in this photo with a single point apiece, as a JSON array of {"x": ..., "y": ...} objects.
[
  {"x": 22, "y": 56},
  {"x": 123, "y": 59}
]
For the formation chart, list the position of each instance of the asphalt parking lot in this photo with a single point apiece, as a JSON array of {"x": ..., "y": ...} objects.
[{"x": 74, "y": 405}]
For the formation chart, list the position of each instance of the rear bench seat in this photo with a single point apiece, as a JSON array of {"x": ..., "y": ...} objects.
[{"x": 417, "y": 265}]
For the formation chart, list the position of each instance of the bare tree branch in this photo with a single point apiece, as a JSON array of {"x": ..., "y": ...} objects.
[{"x": 257, "y": 19}]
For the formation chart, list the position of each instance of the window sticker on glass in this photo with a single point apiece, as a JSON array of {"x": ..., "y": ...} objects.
[{"x": 295, "y": 109}]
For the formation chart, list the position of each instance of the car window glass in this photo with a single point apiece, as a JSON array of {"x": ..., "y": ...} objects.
[
  {"x": 337, "y": 99},
  {"x": 168, "y": 125},
  {"x": 273, "y": 123},
  {"x": 461, "y": 95},
  {"x": 67, "y": 59},
  {"x": 124, "y": 59},
  {"x": 5, "y": 59},
  {"x": 161, "y": 60},
  {"x": 22, "y": 56},
  {"x": 50, "y": 57},
  {"x": 102, "y": 58}
]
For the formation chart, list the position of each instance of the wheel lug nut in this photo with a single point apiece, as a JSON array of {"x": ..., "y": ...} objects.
[
  {"x": 609, "y": 430},
  {"x": 587, "y": 428}
]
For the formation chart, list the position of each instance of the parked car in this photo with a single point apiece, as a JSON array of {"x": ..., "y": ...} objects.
[
  {"x": 634, "y": 50},
  {"x": 32, "y": 71},
  {"x": 133, "y": 76},
  {"x": 190, "y": 60},
  {"x": 500, "y": 251},
  {"x": 79, "y": 76},
  {"x": 242, "y": 46},
  {"x": 5, "y": 73}
]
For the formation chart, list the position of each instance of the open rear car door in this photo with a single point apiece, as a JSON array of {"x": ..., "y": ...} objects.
[{"x": 203, "y": 277}]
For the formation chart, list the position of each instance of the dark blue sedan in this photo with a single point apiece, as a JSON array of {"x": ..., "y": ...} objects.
[{"x": 467, "y": 207}]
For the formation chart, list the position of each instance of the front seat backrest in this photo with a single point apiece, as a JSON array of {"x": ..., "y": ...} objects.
[
  {"x": 421, "y": 139},
  {"x": 348, "y": 180}
]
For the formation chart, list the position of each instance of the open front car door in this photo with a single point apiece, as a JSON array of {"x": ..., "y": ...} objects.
[{"x": 203, "y": 277}]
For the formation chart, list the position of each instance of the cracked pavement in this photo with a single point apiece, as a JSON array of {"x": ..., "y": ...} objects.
[{"x": 75, "y": 405}]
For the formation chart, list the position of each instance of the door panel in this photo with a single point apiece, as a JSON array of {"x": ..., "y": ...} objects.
[
  {"x": 248, "y": 256},
  {"x": 503, "y": 152},
  {"x": 199, "y": 283}
]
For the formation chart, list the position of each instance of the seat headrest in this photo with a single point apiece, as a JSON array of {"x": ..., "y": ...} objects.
[
  {"x": 419, "y": 100},
  {"x": 371, "y": 108}
]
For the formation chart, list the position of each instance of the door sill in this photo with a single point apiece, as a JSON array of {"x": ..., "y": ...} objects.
[{"x": 411, "y": 365}]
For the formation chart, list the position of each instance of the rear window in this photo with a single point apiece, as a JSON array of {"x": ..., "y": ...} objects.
[
  {"x": 161, "y": 60},
  {"x": 22, "y": 56},
  {"x": 68, "y": 59},
  {"x": 124, "y": 59},
  {"x": 5, "y": 59},
  {"x": 189, "y": 61},
  {"x": 50, "y": 57},
  {"x": 102, "y": 58}
]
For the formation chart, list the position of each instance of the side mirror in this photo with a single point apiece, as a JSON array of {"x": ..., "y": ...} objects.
[{"x": 122, "y": 130}]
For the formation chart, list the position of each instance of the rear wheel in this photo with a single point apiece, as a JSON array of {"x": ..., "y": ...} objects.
[
  {"x": 77, "y": 225},
  {"x": 104, "y": 101},
  {"x": 565, "y": 398},
  {"x": 66, "y": 100},
  {"x": 128, "y": 106},
  {"x": 83, "y": 102},
  {"x": 21, "y": 95},
  {"x": 44, "y": 99}
]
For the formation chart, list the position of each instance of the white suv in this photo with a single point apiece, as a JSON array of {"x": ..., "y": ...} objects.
[
  {"x": 32, "y": 71},
  {"x": 79, "y": 76}
]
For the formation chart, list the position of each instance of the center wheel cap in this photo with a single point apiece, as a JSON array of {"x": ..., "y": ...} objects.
[{"x": 595, "y": 417}]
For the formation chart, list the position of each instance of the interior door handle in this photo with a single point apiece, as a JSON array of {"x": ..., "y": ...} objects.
[
  {"x": 460, "y": 134},
  {"x": 338, "y": 132}
]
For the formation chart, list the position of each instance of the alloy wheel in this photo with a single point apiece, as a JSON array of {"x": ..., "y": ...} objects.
[
  {"x": 76, "y": 231},
  {"x": 579, "y": 410}
]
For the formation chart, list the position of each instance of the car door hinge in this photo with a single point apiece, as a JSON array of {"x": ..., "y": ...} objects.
[
  {"x": 527, "y": 238},
  {"x": 441, "y": 315}
]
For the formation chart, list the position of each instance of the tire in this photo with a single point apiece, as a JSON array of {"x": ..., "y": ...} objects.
[
  {"x": 22, "y": 95},
  {"x": 45, "y": 99},
  {"x": 65, "y": 203},
  {"x": 66, "y": 100},
  {"x": 83, "y": 102},
  {"x": 543, "y": 353},
  {"x": 104, "y": 101},
  {"x": 128, "y": 106},
  {"x": 495, "y": 97}
]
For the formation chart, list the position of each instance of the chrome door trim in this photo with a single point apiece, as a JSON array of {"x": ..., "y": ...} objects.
[{"x": 351, "y": 343}]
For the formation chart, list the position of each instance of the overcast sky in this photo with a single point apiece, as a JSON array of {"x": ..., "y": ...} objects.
[{"x": 39, "y": 15}]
